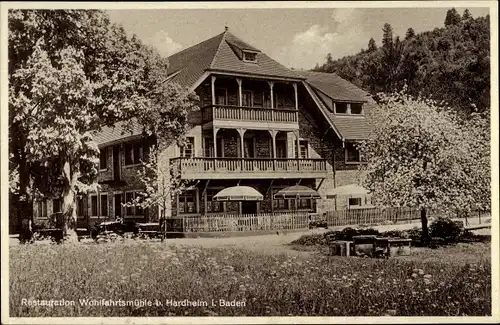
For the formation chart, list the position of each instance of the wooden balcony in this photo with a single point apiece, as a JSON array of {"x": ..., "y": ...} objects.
[
  {"x": 237, "y": 168},
  {"x": 242, "y": 116}
]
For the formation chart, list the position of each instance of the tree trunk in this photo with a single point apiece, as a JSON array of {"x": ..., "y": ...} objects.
[
  {"x": 68, "y": 205},
  {"x": 425, "y": 229},
  {"x": 24, "y": 204},
  {"x": 164, "y": 225}
]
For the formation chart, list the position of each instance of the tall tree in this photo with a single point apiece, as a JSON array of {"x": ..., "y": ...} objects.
[
  {"x": 422, "y": 155},
  {"x": 387, "y": 38},
  {"x": 329, "y": 58},
  {"x": 452, "y": 18},
  {"x": 65, "y": 86},
  {"x": 372, "y": 46},
  {"x": 466, "y": 15},
  {"x": 410, "y": 33}
]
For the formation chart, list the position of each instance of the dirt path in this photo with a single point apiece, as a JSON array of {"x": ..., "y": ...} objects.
[{"x": 269, "y": 243}]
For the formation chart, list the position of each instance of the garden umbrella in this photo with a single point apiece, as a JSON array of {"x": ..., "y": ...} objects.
[
  {"x": 351, "y": 189},
  {"x": 239, "y": 193},
  {"x": 297, "y": 192}
]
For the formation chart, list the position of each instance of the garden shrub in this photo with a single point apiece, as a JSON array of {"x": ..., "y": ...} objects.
[
  {"x": 396, "y": 233},
  {"x": 348, "y": 233},
  {"x": 311, "y": 240},
  {"x": 414, "y": 234},
  {"x": 344, "y": 234},
  {"x": 447, "y": 229}
]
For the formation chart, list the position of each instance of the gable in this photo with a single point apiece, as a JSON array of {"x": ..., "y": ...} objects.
[
  {"x": 325, "y": 87},
  {"x": 226, "y": 60},
  {"x": 223, "y": 53}
]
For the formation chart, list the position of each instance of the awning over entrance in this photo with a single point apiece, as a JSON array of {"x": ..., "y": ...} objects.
[
  {"x": 239, "y": 193},
  {"x": 297, "y": 192},
  {"x": 347, "y": 190}
]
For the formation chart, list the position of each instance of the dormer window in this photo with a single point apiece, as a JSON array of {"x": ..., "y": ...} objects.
[
  {"x": 249, "y": 56},
  {"x": 340, "y": 108},
  {"x": 343, "y": 108},
  {"x": 356, "y": 108}
]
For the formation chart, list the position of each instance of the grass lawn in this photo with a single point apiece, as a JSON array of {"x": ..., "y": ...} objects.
[{"x": 448, "y": 281}]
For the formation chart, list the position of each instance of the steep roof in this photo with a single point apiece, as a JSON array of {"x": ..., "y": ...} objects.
[
  {"x": 335, "y": 87},
  {"x": 330, "y": 84},
  {"x": 219, "y": 53},
  {"x": 116, "y": 133}
]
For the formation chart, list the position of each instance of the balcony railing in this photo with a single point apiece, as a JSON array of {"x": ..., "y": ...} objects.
[
  {"x": 253, "y": 114},
  {"x": 209, "y": 168}
]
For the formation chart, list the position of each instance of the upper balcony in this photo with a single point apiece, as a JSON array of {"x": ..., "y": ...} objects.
[
  {"x": 234, "y": 102},
  {"x": 243, "y": 116}
]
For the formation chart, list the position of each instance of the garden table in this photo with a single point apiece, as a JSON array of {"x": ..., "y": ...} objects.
[{"x": 399, "y": 243}]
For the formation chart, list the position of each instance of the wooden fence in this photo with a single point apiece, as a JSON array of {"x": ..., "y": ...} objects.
[
  {"x": 371, "y": 216},
  {"x": 245, "y": 222},
  {"x": 295, "y": 220}
]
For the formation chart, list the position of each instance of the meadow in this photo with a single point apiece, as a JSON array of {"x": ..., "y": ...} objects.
[{"x": 451, "y": 281}]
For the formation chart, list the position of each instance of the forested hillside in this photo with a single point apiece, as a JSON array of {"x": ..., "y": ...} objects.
[{"x": 450, "y": 63}]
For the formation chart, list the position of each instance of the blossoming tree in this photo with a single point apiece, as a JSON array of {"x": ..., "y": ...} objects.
[
  {"x": 421, "y": 154},
  {"x": 64, "y": 86}
]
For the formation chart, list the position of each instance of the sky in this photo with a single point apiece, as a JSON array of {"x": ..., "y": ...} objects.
[{"x": 296, "y": 37}]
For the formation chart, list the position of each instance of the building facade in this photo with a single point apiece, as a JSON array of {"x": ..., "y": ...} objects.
[{"x": 259, "y": 124}]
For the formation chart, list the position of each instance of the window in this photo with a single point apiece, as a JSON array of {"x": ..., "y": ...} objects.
[
  {"x": 80, "y": 207},
  {"x": 281, "y": 204},
  {"x": 258, "y": 99},
  {"x": 139, "y": 211},
  {"x": 137, "y": 154},
  {"x": 209, "y": 147},
  {"x": 304, "y": 152},
  {"x": 281, "y": 148},
  {"x": 340, "y": 108},
  {"x": 103, "y": 158},
  {"x": 39, "y": 207},
  {"x": 356, "y": 108},
  {"x": 104, "y": 205},
  {"x": 187, "y": 202},
  {"x": 133, "y": 210},
  {"x": 352, "y": 153},
  {"x": 249, "y": 56},
  {"x": 56, "y": 205},
  {"x": 304, "y": 204},
  {"x": 354, "y": 201},
  {"x": 129, "y": 154},
  {"x": 247, "y": 98},
  {"x": 221, "y": 96},
  {"x": 133, "y": 154},
  {"x": 213, "y": 206},
  {"x": 44, "y": 209},
  {"x": 267, "y": 99},
  {"x": 188, "y": 149},
  {"x": 249, "y": 147},
  {"x": 93, "y": 205},
  {"x": 129, "y": 197}
]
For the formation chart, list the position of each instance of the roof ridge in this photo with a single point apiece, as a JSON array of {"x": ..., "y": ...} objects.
[
  {"x": 235, "y": 40},
  {"x": 223, "y": 39}
]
